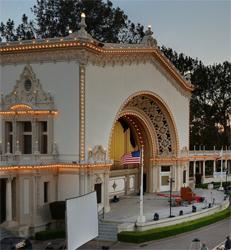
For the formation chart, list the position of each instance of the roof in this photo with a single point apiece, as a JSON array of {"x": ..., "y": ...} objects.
[{"x": 81, "y": 40}]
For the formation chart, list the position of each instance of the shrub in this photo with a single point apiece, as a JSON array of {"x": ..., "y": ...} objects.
[
  {"x": 50, "y": 234},
  {"x": 158, "y": 233}
]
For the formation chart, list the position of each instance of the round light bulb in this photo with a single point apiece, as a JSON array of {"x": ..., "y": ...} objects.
[{"x": 83, "y": 15}]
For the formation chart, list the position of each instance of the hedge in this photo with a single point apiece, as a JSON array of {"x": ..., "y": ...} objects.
[
  {"x": 163, "y": 232},
  {"x": 50, "y": 234},
  {"x": 215, "y": 184}
]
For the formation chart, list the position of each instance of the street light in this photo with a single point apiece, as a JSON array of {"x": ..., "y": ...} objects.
[{"x": 171, "y": 180}]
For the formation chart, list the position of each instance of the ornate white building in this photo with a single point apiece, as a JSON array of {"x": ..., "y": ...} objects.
[{"x": 71, "y": 107}]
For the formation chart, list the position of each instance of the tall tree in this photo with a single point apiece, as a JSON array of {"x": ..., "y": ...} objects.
[
  {"x": 210, "y": 107},
  {"x": 54, "y": 18}
]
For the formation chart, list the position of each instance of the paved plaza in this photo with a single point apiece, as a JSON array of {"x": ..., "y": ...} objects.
[{"x": 127, "y": 209}]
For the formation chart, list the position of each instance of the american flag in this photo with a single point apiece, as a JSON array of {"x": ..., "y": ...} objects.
[{"x": 130, "y": 158}]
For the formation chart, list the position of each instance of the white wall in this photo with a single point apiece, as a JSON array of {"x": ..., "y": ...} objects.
[
  {"x": 68, "y": 186},
  {"x": 108, "y": 87},
  {"x": 62, "y": 81}
]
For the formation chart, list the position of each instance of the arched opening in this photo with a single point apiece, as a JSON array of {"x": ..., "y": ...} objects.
[
  {"x": 145, "y": 119},
  {"x": 130, "y": 133}
]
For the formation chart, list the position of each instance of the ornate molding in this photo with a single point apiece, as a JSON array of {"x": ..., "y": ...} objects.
[
  {"x": 157, "y": 118},
  {"x": 28, "y": 93},
  {"x": 82, "y": 112},
  {"x": 100, "y": 56},
  {"x": 97, "y": 154}
]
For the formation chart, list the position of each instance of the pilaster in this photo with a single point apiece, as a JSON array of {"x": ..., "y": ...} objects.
[{"x": 82, "y": 112}]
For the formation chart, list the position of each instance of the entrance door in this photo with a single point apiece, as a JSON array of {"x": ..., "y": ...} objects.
[
  {"x": 164, "y": 178},
  {"x": 98, "y": 192}
]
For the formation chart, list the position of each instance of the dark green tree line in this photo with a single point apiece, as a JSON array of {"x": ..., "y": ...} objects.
[{"x": 54, "y": 18}]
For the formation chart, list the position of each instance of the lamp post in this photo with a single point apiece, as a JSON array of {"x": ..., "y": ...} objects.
[{"x": 171, "y": 180}]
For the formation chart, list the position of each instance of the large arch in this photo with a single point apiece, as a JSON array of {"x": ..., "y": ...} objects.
[
  {"x": 158, "y": 119},
  {"x": 155, "y": 122}
]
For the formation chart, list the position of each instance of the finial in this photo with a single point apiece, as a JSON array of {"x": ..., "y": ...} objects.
[
  {"x": 148, "y": 39},
  {"x": 82, "y": 23}
]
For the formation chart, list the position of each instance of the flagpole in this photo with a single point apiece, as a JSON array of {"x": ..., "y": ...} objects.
[
  {"x": 221, "y": 187},
  {"x": 141, "y": 217}
]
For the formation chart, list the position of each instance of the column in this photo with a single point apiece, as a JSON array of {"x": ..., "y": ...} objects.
[
  {"x": 203, "y": 171},
  {"x": 214, "y": 167},
  {"x": 9, "y": 199},
  {"x": 81, "y": 182},
  {"x": 194, "y": 170},
  {"x": 106, "y": 192}
]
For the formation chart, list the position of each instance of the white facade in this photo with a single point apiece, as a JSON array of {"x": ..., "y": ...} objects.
[{"x": 77, "y": 91}]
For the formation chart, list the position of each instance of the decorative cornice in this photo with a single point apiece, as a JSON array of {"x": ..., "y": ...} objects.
[
  {"x": 70, "y": 50},
  {"x": 93, "y": 166}
]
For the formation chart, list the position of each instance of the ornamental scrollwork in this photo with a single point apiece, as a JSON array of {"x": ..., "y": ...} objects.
[
  {"x": 28, "y": 90},
  {"x": 157, "y": 118}
]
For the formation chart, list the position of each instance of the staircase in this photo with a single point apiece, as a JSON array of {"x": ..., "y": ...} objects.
[
  {"x": 4, "y": 233},
  {"x": 107, "y": 230}
]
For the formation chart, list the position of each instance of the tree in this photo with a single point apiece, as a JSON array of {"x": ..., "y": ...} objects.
[
  {"x": 210, "y": 116},
  {"x": 54, "y": 18},
  {"x": 210, "y": 107}
]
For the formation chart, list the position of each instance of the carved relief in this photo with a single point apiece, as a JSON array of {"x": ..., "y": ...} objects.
[
  {"x": 28, "y": 90},
  {"x": 97, "y": 154},
  {"x": 158, "y": 119}
]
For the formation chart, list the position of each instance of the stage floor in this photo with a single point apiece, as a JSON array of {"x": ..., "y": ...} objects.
[{"x": 127, "y": 209}]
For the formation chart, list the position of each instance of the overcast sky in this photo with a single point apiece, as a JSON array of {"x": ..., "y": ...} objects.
[{"x": 198, "y": 28}]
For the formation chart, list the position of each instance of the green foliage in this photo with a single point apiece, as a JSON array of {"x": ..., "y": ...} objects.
[
  {"x": 50, "y": 234},
  {"x": 215, "y": 185},
  {"x": 159, "y": 233},
  {"x": 54, "y": 18},
  {"x": 210, "y": 107}
]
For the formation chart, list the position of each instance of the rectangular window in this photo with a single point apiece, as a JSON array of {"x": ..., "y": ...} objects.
[
  {"x": 27, "y": 127},
  {"x": 43, "y": 137},
  {"x": 27, "y": 141},
  {"x": 45, "y": 190},
  {"x": 165, "y": 169},
  {"x": 9, "y": 136},
  {"x": 184, "y": 176}
]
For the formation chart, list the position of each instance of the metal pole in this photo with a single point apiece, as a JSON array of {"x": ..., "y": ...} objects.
[{"x": 141, "y": 217}]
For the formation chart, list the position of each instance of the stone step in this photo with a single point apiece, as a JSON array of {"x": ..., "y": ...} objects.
[
  {"x": 5, "y": 233},
  {"x": 107, "y": 231}
]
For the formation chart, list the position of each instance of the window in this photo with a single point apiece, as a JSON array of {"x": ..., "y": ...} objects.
[
  {"x": 9, "y": 136},
  {"x": 184, "y": 176},
  {"x": 27, "y": 85},
  {"x": 42, "y": 126},
  {"x": 165, "y": 168},
  {"x": 45, "y": 192},
  {"x": 27, "y": 138},
  {"x": 30, "y": 135}
]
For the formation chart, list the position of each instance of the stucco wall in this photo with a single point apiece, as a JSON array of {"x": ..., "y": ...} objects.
[
  {"x": 68, "y": 186},
  {"x": 108, "y": 87},
  {"x": 62, "y": 81}
]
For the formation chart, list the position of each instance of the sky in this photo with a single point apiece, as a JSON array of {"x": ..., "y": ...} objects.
[{"x": 198, "y": 28}]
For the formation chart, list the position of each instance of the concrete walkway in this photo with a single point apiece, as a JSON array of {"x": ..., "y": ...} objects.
[{"x": 127, "y": 209}]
